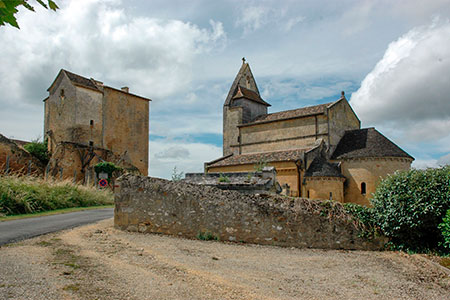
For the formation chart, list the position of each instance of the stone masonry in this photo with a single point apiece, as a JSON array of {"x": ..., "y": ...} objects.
[{"x": 152, "y": 205}]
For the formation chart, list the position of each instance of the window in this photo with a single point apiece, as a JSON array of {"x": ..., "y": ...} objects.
[
  {"x": 61, "y": 94},
  {"x": 308, "y": 194},
  {"x": 91, "y": 122},
  {"x": 363, "y": 188},
  {"x": 331, "y": 195},
  {"x": 91, "y": 143}
]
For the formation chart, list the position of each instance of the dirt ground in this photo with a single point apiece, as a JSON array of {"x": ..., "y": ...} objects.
[{"x": 100, "y": 262}]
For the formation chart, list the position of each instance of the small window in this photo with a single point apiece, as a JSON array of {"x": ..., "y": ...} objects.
[
  {"x": 331, "y": 195},
  {"x": 91, "y": 122},
  {"x": 91, "y": 143},
  {"x": 239, "y": 139},
  {"x": 363, "y": 188},
  {"x": 307, "y": 194},
  {"x": 61, "y": 93}
]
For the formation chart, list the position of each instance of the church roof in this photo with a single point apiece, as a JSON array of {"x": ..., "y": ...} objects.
[
  {"x": 366, "y": 142},
  {"x": 243, "y": 92},
  {"x": 253, "y": 158},
  {"x": 290, "y": 114},
  {"x": 320, "y": 167},
  {"x": 245, "y": 69}
]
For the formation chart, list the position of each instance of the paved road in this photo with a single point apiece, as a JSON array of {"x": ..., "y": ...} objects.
[{"x": 17, "y": 230}]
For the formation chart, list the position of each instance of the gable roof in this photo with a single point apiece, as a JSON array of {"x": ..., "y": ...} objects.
[
  {"x": 320, "y": 167},
  {"x": 245, "y": 69},
  {"x": 243, "y": 92},
  {"x": 253, "y": 158},
  {"x": 80, "y": 80},
  {"x": 367, "y": 142},
  {"x": 290, "y": 114}
]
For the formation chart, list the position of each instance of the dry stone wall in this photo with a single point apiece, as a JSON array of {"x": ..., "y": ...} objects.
[{"x": 152, "y": 205}]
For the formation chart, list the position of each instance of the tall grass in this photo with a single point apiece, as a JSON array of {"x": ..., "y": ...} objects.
[{"x": 20, "y": 195}]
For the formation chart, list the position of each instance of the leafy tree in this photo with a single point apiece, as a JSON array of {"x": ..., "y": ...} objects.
[
  {"x": 8, "y": 9},
  {"x": 39, "y": 150}
]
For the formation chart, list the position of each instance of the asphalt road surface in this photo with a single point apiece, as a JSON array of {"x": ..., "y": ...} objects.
[{"x": 17, "y": 230}]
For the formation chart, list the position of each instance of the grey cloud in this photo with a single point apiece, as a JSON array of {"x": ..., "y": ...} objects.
[{"x": 173, "y": 152}]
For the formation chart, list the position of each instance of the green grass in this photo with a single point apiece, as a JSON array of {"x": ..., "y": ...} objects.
[{"x": 30, "y": 195}]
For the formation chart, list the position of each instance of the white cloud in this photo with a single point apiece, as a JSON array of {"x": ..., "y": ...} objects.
[
  {"x": 409, "y": 89},
  {"x": 424, "y": 163},
  {"x": 162, "y": 161},
  {"x": 99, "y": 39},
  {"x": 444, "y": 160}
]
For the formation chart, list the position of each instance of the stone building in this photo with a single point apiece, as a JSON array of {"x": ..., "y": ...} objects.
[
  {"x": 86, "y": 121},
  {"x": 318, "y": 151}
]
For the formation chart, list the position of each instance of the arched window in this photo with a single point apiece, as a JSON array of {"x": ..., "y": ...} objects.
[
  {"x": 308, "y": 194},
  {"x": 363, "y": 188},
  {"x": 331, "y": 195}
]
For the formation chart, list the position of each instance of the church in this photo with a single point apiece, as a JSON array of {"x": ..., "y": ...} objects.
[{"x": 318, "y": 152}]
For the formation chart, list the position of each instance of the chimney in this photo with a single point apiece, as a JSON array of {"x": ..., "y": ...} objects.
[{"x": 125, "y": 89}]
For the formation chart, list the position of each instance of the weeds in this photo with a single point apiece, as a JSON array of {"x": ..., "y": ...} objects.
[{"x": 207, "y": 236}]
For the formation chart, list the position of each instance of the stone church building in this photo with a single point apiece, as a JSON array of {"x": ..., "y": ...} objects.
[
  {"x": 319, "y": 152},
  {"x": 87, "y": 122}
]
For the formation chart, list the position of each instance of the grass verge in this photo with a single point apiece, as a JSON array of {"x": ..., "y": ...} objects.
[{"x": 31, "y": 195}]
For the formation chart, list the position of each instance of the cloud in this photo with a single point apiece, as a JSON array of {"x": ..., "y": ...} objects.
[
  {"x": 409, "y": 89},
  {"x": 99, "y": 39},
  {"x": 163, "y": 162},
  {"x": 173, "y": 152},
  {"x": 444, "y": 160}
]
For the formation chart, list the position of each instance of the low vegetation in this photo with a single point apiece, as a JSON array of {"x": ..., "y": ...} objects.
[{"x": 24, "y": 195}]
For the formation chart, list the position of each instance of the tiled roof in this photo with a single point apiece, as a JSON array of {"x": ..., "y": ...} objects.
[
  {"x": 367, "y": 142},
  {"x": 80, "y": 80},
  {"x": 320, "y": 167},
  {"x": 253, "y": 158},
  {"x": 243, "y": 92},
  {"x": 288, "y": 114}
]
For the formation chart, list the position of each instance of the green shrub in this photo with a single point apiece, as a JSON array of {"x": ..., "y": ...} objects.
[
  {"x": 445, "y": 230},
  {"x": 20, "y": 195},
  {"x": 363, "y": 214},
  {"x": 224, "y": 178},
  {"x": 38, "y": 150},
  {"x": 409, "y": 206},
  {"x": 207, "y": 236},
  {"x": 106, "y": 167}
]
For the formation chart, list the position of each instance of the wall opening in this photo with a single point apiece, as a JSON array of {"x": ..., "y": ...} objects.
[
  {"x": 363, "y": 188},
  {"x": 91, "y": 122},
  {"x": 331, "y": 195},
  {"x": 307, "y": 194},
  {"x": 91, "y": 143}
]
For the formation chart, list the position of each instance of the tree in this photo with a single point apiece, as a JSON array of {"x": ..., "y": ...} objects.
[{"x": 8, "y": 9}]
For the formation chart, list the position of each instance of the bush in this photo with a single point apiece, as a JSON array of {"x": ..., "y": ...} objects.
[
  {"x": 409, "y": 206},
  {"x": 20, "y": 195},
  {"x": 38, "y": 150},
  {"x": 445, "y": 230}
]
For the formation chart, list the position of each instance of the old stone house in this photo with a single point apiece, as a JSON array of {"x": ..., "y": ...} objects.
[
  {"x": 86, "y": 122},
  {"x": 318, "y": 152}
]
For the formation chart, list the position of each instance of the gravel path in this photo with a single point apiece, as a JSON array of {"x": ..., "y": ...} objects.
[{"x": 99, "y": 262}]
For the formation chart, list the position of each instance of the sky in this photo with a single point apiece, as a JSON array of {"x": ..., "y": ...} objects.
[{"x": 392, "y": 59}]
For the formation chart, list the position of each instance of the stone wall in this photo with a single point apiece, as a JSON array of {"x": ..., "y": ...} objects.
[
  {"x": 151, "y": 205},
  {"x": 16, "y": 160}
]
